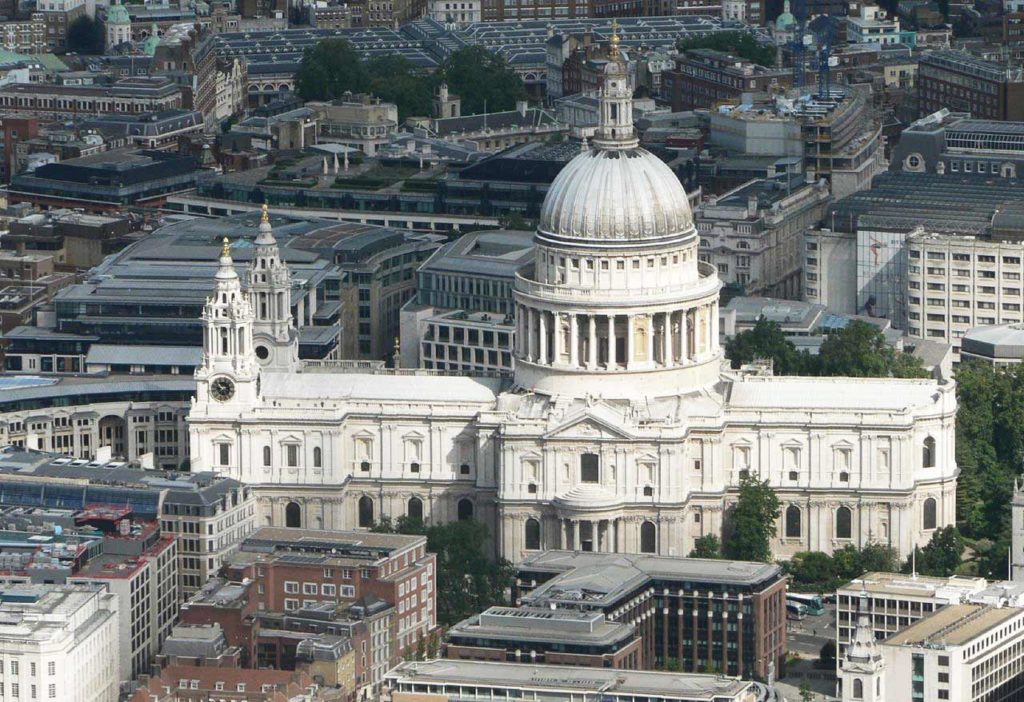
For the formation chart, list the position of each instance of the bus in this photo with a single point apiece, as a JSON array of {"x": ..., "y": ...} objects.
[
  {"x": 795, "y": 610},
  {"x": 812, "y": 603}
]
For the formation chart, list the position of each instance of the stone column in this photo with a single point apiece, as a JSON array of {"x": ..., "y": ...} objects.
[
  {"x": 666, "y": 340},
  {"x": 574, "y": 341},
  {"x": 683, "y": 355},
  {"x": 592, "y": 351},
  {"x": 713, "y": 341},
  {"x": 611, "y": 341},
  {"x": 531, "y": 337},
  {"x": 561, "y": 534},
  {"x": 650, "y": 339},
  {"x": 630, "y": 340},
  {"x": 557, "y": 340},
  {"x": 575, "y": 535},
  {"x": 542, "y": 357},
  {"x": 619, "y": 536}
]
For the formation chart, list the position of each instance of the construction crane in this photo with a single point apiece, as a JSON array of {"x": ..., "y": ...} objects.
[
  {"x": 825, "y": 60},
  {"x": 801, "y": 40}
]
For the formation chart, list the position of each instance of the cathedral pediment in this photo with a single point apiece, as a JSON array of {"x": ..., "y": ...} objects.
[{"x": 590, "y": 424}]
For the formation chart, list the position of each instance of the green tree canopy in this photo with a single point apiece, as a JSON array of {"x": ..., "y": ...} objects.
[
  {"x": 468, "y": 582},
  {"x": 329, "y": 70},
  {"x": 750, "y": 523},
  {"x": 742, "y": 44},
  {"x": 87, "y": 36},
  {"x": 813, "y": 570},
  {"x": 765, "y": 340},
  {"x": 859, "y": 351},
  {"x": 396, "y": 79},
  {"x": 707, "y": 546},
  {"x": 941, "y": 556},
  {"x": 481, "y": 78}
]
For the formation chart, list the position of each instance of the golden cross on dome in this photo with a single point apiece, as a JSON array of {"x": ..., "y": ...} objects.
[
  {"x": 615, "y": 39},
  {"x": 266, "y": 214},
  {"x": 226, "y": 251}
]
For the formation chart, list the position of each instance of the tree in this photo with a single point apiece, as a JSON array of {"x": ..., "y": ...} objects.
[
  {"x": 396, "y": 79},
  {"x": 827, "y": 655},
  {"x": 806, "y": 694},
  {"x": 813, "y": 570},
  {"x": 467, "y": 580},
  {"x": 87, "y": 36},
  {"x": 847, "y": 562},
  {"x": 941, "y": 555},
  {"x": 742, "y": 44},
  {"x": 859, "y": 351},
  {"x": 483, "y": 80},
  {"x": 329, "y": 70},
  {"x": 751, "y": 522},
  {"x": 707, "y": 546},
  {"x": 765, "y": 340},
  {"x": 878, "y": 558}
]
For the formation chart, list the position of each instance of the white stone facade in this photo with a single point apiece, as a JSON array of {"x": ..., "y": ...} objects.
[{"x": 621, "y": 430}]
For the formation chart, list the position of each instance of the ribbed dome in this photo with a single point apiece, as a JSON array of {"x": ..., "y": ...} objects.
[{"x": 616, "y": 194}]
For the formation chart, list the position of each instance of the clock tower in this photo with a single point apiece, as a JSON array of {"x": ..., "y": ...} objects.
[
  {"x": 275, "y": 339},
  {"x": 229, "y": 373}
]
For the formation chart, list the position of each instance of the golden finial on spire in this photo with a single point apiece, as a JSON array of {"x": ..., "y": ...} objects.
[
  {"x": 226, "y": 251},
  {"x": 614, "y": 51},
  {"x": 265, "y": 218}
]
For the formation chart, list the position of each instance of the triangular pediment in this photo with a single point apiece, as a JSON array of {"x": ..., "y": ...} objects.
[{"x": 593, "y": 423}]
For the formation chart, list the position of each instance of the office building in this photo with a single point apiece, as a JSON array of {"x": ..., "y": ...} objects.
[
  {"x": 753, "y": 234},
  {"x": 954, "y": 144},
  {"x": 62, "y": 102},
  {"x": 704, "y": 77},
  {"x": 959, "y": 82},
  {"x": 867, "y": 23},
  {"x": 964, "y": 652},
  {"x": 360, "y": 122},
  {"x": 461, "y": 317},
  {"x": 999, "y": 345},
  {"x": 671, "y": 599},
  {"x": 60, "y": 642},
  {"x": 296, "y": 568},
  {"x": 503, "y": 680},
  {"x": 209, "y": 514},
  {"x": 534, "y": 635}
]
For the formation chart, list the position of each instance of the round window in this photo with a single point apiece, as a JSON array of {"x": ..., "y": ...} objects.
[{"x": 262, "y": 352}]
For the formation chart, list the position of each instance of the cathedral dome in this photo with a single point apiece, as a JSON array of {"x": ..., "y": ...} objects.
[{"x": 606, "y": 195}]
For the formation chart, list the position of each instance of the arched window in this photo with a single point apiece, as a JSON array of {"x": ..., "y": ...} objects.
[
  {"x": 293, "y": 515},
  {"x": 648, "y": 538},
  {"x": 266, "y": 456},
  {"x": 858, "y": 689},
  {"x": 532, "y": 535},
  {"x": 414, "y": 510},
  {"x": 318, "y": 457},
  {"x": 364, "y": 466},
  {"x": 365, "y": 511},
  {"x": 928, "y": 453},
  {"x": 793, "y": 522},
  {"x": 844, "y": 523},
  {"x": 465, "y": 509},
  {"x": 930, "y": 519}
]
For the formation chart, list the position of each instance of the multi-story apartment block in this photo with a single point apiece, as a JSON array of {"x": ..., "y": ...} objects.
[
  {"x": 742, "y": 634},
  {"x": 462, "y": 317},
  {"x": 59, "y": 15},
  {"x": 59, "y": 642},
  {"x": 960, "y": 82},
  {"x": 956, "y": 283},
  {"x": 753, "y": 234},
  {"x": 295, "y": 568}
]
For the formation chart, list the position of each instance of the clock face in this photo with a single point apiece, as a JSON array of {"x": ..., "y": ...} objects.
[{"x": 222, "y": 389}]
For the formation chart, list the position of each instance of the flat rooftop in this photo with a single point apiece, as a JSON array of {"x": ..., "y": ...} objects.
[
  {"x": 955, "y": 625},
  {"x": 666, "y": 686},
  {"x": 535, "y": 624},
  {"x": 899, "y": 584},
  {"x": 601, "y": 579}
]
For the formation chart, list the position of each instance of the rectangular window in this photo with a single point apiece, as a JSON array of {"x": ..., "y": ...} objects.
[
  {"x": 225, "y": 454},
  {"x": 291, "y": 587},
  {"x": 293, "y": 455},
  {"x": 309, "y": 589}
]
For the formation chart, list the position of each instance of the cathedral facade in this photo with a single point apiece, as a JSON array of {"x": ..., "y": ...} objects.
[{"x": 623, "y": 429}]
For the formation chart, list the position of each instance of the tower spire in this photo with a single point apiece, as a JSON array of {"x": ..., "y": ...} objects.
[{"x": 615, "y": 112}]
